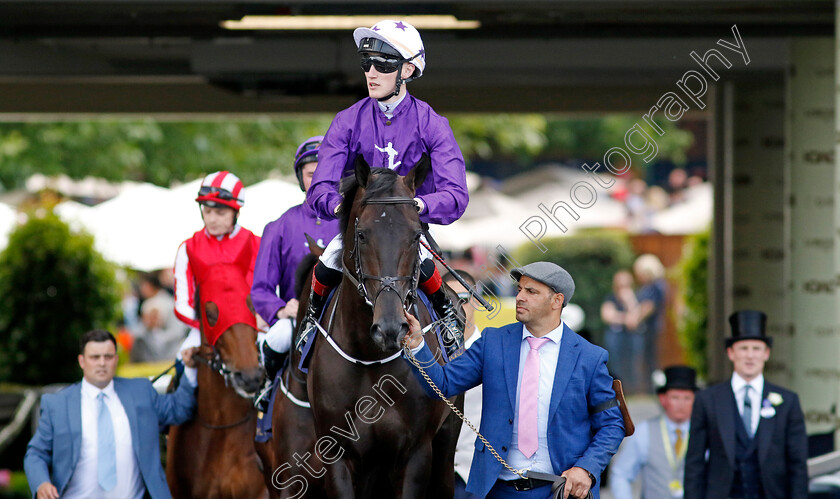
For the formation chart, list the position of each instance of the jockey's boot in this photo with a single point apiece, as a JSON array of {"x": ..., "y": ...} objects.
[
  {"x": 272, "y": 362},
  {"x": 451, "y": 330},
  {"x": 323, "y": 280},
  {"x": 432, "y": 284},
  {"x": 309, "y": 324}
]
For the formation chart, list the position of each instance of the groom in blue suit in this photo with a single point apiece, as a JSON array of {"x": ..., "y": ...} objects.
[
  {"x": 547, "y": 396},
  {"x": 100, "y": 436}
]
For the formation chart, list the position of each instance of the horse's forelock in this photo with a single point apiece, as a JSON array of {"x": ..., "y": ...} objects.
[{"x": 381, "y": 182}]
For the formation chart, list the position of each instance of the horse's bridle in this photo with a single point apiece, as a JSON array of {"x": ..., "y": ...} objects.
[
  {"x": 387, "y": 282},
  {"x": 215, "y": 363}
]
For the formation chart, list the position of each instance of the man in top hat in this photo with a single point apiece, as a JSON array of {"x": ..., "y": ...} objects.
[
  {"x": 658, "y": 447},
  {"x": 548, "y": 402},
  {"x": 752, "y": 431}
]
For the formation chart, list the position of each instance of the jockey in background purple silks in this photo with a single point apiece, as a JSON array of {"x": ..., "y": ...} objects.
[
  {"x": 391, "y": 129},
  {"x": 282, "y": 248}
]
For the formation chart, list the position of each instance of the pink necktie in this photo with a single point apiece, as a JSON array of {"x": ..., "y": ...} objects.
[{"x": 529, "y": 398}]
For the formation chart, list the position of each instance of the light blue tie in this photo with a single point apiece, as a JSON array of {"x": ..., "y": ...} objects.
[
  {"x": 747, "y": 415},
  {"x": 107, "y": 448}
]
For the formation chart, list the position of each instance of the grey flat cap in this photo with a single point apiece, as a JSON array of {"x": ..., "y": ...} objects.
[{"x": 550, "y": 274}]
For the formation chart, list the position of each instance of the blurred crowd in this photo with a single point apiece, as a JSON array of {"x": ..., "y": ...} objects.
[{"x": 150, "y": 330}]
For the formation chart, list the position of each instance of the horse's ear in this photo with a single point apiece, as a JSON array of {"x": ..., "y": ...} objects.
[
  {"x": 417, "y": 175},
  {"x": 313, "y": 245},
  {"x": 211, "y": 311},
  {"x": 362, "y": 171}
]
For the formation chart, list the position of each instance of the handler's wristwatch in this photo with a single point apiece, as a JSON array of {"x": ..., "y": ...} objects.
[{"x": 592, "y": 477}]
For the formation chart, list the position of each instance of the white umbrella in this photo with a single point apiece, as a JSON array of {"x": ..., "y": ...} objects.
[
  {"x": 143, "y": 226},
  {"x": 8, "y": 219},
  {"x": 266, "y": 201},
  {"x": 691, "y": 216}
]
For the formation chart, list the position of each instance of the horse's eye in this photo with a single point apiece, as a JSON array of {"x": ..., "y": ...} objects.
[
  {"x": 361, "y": 236},
  {"x": 417, "y": 236}
]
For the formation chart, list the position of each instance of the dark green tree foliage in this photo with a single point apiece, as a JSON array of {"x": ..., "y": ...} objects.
[
  {"x": 591, "y": 257},
  {"x": 152, "y": 151},
  {"x": 163, "y": 152},
  {"x": 53, "y": 288},
  {"x": 693, "y": 323}
]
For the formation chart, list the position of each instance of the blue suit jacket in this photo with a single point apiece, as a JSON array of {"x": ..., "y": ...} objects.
[
  {"x": 58, "y": 440},
  {"x": 581, "y": 382}
]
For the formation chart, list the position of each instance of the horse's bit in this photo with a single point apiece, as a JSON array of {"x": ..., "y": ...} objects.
[
  {"x": 215, "y": 363},
  {"x": 388, "y": 282}
]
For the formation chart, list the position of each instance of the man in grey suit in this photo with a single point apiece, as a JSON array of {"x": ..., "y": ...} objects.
[
  {"x": 99, "y": 437},
  {"x": 753, "y": 431}
]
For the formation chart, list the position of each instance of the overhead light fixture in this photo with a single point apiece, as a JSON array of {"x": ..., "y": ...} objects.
[{"x": 343, "y": 22}]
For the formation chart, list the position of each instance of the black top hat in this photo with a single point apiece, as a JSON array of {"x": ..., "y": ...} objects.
[
  {"x": 679, "y": 378},
  {"x": 748, "y": 325}
]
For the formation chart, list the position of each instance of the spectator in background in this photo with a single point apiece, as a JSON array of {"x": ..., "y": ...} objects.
[
  {"x": 624, "y": 344},
  {"x": 159, "y": 332},
  {"x": 747, "y": 435},
  {"x": 657, "y": 449},
  {"x": 637, "y": 210},
  {"x": 649, "y": 317},
  {"x": 472, "y": 397},
  {"x": 677, "y": 183}
]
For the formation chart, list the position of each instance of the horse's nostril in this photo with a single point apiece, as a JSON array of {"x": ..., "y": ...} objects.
[{"x": 376, "y": 333}]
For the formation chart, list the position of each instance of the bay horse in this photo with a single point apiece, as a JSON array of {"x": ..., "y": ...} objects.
[
  {"x": 213, "y": 455},
  {"x": 379, "y": 435},
  {"x": 293, "y": 428}
]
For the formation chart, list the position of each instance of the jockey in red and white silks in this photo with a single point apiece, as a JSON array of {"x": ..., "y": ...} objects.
[{"x": 221, "y": 240}]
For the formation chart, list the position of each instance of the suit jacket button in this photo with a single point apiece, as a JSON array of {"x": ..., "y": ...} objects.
[
  {"x": 504, "y": 448},
  {"x": 510, "y": 421}
]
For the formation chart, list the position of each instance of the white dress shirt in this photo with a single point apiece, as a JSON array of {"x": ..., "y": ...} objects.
[
  {"x": 549, "y": 353},
  {"x": 84, "y": 483},
  {"x": 472, "y": 411},
  {"x": 756, "y": 391}
]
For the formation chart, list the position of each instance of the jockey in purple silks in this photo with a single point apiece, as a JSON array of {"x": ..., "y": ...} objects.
[
  {"x": 391, "y": 129},
  {"x": 282, "y": 248}
]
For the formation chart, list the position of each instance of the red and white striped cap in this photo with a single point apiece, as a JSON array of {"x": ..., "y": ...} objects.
[{"x": 222, "y": 188}]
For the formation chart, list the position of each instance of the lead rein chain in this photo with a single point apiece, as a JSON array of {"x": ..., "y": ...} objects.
[{"x": 458, "y": 413}]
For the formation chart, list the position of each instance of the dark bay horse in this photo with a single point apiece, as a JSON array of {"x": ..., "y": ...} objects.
[
  {"x": 292, "y": 422},
  {"x": 213, "y": 455},
  {"x": 378, "y": 433}
]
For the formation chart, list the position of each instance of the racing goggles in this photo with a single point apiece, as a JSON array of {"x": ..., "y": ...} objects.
[
  {"x": 384, "y": 65},
  {"x": 215, "y": 192},
  {"x": 307, "y": 148}
]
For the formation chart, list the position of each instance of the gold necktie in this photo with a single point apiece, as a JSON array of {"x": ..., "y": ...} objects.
[{"x": 678, "y": 445}]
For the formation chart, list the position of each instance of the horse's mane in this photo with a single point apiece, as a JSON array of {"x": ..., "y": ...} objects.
[{"x": 381, "y": 181}]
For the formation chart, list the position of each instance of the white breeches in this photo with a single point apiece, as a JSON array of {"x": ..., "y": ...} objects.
[{"x": 279, "y": 336}]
